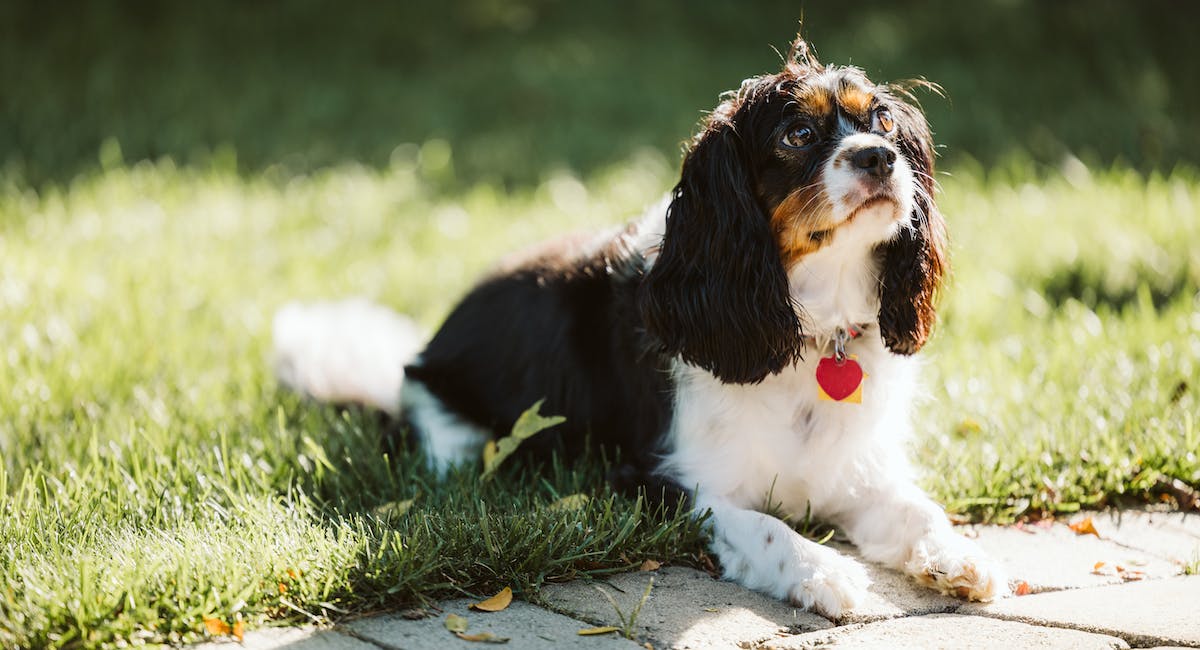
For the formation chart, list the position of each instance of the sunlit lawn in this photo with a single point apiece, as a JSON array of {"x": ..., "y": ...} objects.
[{"x": 153, "y": 475}]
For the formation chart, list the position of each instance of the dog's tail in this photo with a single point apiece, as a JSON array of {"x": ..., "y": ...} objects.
[{"x": 352, "y": 351}]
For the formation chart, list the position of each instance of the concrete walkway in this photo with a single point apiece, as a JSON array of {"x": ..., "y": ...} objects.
[{"x": 1124, "y": 588}]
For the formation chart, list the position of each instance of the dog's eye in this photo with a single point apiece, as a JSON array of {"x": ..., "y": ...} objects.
[
  {"x": 799, "y": 136},
  {"x": 883, "y": 119}
]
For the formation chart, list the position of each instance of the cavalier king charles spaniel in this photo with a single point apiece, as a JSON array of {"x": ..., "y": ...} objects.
[{"x": 751, "y": 338}]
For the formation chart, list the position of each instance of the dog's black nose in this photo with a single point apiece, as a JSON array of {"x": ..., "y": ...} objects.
[{"x": 876, "y": 161}]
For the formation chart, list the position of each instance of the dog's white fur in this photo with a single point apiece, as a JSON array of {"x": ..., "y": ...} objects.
[
  {"x": 739, "y": 446},
  {"x": 345, "y": 351}
]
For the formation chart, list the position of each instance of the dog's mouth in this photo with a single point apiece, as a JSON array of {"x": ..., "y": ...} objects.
[{"x": 872, "y": 202}]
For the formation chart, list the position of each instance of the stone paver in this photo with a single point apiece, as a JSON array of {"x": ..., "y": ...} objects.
[
  {"x": 1158, "y": 612},
  {"x": 294, "y": 638},
  {"x": 1056, "y": 557},
  {"x": 945, "y": 631},
  {"x": 1071, "y": 607},
  {"x": 686, "y": 609},
  {"x": 893, "y": 594},
  {"x": 527, "y": 627},
  {"x": 1173, "y": 536}
]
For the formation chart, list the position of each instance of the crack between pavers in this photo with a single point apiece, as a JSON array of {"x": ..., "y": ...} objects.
[
  {"x": 355, "y": 635},
  {"x": 574, "y": 616},
  {"x": 1160, "y": 556}
]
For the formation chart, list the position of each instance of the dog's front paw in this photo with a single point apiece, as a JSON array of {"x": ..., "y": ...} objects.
[
  {"x": 956, "y": 566},
  {"x": 781, "y": 563},
  {"x": 828, "y": 584}
]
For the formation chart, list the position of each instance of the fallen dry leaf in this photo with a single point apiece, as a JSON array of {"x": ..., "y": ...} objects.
[
  {"x": 415, "y": 614},
  {"x": 570, "y": 502},
  {"x": 394, "y": 509},
  {"x": 1023, "y": 589},
  {"x": 216, "y": 626},
  {"x": 456, "y": 623},
  {"x": 1084, "y": 526},
  {"x": 650, "y": 565},
  {"x": 1097, "y": 566},
  {"x": 590, "y": 631},
  {"x": 495, "y": 603},
  {"x": 527, "y": 425},
  {"x": 482, "y": 637},
  {"x": 489, "y": 453}
]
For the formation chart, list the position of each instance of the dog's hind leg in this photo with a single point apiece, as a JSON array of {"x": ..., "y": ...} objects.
[{"x": 446, "y": 439}]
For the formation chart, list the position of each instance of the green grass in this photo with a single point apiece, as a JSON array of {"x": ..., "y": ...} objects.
[
  {"x": 153, "y": 475},
  {"x": 1192, "y": 567}
]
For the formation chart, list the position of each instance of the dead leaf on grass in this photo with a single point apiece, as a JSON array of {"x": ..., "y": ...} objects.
[
  {"x": 216, "y": 626},
  {"x": 650, "y": 565},
  {"x": 570, "y": 502},
  {"x": 529, "y": 423},
  {"x": 592, "y": 631},
  {"x": 394, "y": 509},
  {"x": 495, "y": 603}
]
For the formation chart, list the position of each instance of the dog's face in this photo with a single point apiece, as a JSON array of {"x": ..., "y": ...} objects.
[
  {"x": 782, "y": 167},
  {"x": 830, "y": 160}
]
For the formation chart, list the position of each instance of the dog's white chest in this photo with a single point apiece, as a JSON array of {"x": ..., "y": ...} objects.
[{"x": 777, "y": 442}]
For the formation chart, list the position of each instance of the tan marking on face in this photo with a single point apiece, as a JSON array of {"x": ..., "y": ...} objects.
[
  {"x": 815, "y": 100},
  {"x": 855, "y": 100},
  {"x": 801, "y": 224}
]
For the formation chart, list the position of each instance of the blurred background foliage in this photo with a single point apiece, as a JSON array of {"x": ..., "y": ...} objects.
[{"x": 520, "y": 88}]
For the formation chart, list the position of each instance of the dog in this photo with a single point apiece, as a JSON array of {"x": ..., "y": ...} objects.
[{"x": 751, "y": 336}]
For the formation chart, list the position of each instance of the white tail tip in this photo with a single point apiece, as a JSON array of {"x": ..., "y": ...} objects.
[{"x": 345, "y": 351}]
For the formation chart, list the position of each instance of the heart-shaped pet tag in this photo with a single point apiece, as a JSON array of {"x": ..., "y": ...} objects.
[{"x": 839, "y": 381}]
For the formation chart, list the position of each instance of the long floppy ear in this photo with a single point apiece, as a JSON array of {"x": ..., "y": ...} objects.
[
  {"x": 718, "y": 294},
  {"x": 914, "y": 262}
]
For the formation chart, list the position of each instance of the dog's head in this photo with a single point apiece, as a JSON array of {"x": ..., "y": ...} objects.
[{"x": 778, "y": 168}]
